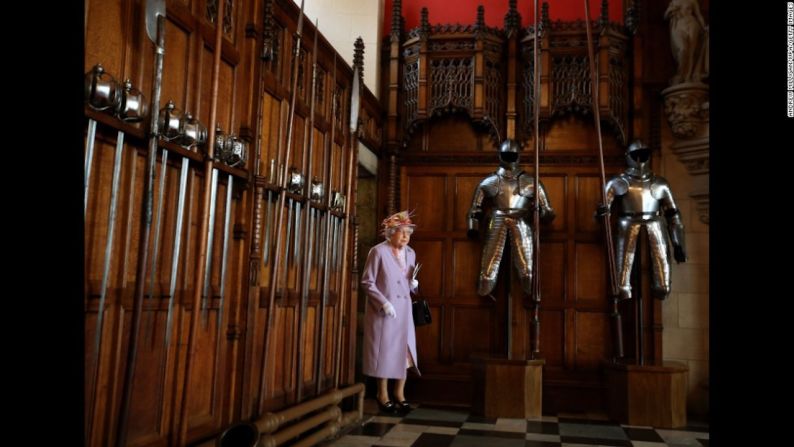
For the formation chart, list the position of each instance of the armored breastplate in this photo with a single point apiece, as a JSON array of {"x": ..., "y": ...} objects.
[
  {"x": 639, "y": 200},
  {"x": 508, "y": 199}
]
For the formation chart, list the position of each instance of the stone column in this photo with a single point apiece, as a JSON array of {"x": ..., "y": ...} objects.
[{"x": 686, "y": 106}]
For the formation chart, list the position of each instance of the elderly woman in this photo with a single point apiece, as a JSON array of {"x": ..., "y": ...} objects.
[{"x": 389, "y": 337}]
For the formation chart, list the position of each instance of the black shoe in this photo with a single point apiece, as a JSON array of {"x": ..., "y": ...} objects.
[
  {"x": 404, "y": 407},
  {"x": 388, "y": 407}
]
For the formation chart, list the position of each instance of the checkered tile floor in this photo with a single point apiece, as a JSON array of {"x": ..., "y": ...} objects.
[{"x": 426, "y": 427}]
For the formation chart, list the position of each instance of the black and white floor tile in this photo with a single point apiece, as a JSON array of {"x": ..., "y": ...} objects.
[{"x": 431, "y": 427}]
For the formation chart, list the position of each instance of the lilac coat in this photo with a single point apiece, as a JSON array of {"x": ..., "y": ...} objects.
[{"x": 386, "y": 338}]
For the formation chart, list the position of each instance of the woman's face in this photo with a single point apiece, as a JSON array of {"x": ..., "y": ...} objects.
[{"x": 401, "y": 237}]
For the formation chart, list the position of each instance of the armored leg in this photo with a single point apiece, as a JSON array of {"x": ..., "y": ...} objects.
[
  {"x": 521, "y": 244},
  {"x": 492, "y": 255},
  {"x": 625, "y": 245},
  {"x": 660, "y": 260}
]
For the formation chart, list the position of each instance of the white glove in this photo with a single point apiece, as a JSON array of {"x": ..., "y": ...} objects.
[
  {"x": 388, "y": 309},
  {"x": 414, "y": 284}
]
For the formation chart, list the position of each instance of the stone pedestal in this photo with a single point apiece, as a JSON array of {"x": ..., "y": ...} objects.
[
  {"x": 647, "y": 395},
  {"x": 507, "y": 388}
]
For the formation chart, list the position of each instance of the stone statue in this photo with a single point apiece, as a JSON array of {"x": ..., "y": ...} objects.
[{"x": 688, "y": 40}]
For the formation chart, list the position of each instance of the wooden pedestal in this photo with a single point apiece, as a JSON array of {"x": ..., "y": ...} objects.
[
  {"x": 507, "y": 388},
  {"x": 647, "y": 395}
]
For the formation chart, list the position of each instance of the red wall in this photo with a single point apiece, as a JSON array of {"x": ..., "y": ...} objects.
[{"x": 465, "y": 11}]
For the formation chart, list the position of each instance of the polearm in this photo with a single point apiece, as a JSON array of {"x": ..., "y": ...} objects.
[
  {"x": 535, "y": 323},
  {"x": 274, "y": 266},
  {"x": 327, "y": 163},
  {"x": 617, "y": 328},
  {"x": 355, "y": 101},
  {"x": 182, "y": 421},
  {"x": 155, "y": 18},
  {"x": 257, "y": 256},
  {"x": 307, "y": 225}
]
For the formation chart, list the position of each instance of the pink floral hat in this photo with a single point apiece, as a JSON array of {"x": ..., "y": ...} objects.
[{"x": 401, "y": 219}]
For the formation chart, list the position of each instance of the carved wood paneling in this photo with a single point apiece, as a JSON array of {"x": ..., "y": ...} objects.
[
  {"x": 566, "y": 87},
  {"x": 574, "y": 307},
  {"x": 410, "y": 90},
  {"x": 572, "y": 92},
  {"x": 224, "y": 384},
  {"x": 452, "y": 84}
]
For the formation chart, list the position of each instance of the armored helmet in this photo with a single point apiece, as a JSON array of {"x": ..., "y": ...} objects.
[
  {"x": 508, "y": 151},
  {"x": 638, "y": 157}
]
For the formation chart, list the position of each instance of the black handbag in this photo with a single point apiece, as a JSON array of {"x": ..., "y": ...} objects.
[{"x": 421, "y": 312}]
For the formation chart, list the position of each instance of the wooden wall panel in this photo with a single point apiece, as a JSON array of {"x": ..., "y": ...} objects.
[
  {"x": 455, "y": 136},
  {"x": 552, "y": 274},
  {"x": 573, "y": 134},
  {"x": 151, "y": 380},
  {"x": 591, "y": 280},
  {"x": 104, "y": 31},
  {"x": 332, "y": 327},
  {"x": 557, "y": 193},
  {"x": 175, "y": 77},
  {"x": 233, "y": 327},
  {"x": 431, "y": 275},
  {"x": 552, "y": 336},
  {"x": 588, "y": 196},
  {"x": 471, "y": 332},
  {"x": 592, "y": 339},
  {"x": 226, "y": 118},
  {"x": 308, "y": 344},
  {"x": 296, "y": 157},
  {"x": 427, "y": 196},
  {"x": 429, "y": 338},
  {"x": 573, "y": 281},
  {"x": 203, "y": 381},
  {"x": 465, "y": 184},
  {"x": 466, "y": 256}
]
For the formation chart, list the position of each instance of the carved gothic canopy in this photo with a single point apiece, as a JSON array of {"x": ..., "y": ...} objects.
[{"x": 466, "y": 68}]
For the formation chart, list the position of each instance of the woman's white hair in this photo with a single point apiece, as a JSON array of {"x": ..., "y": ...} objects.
[{"x": 389, "y": 232}]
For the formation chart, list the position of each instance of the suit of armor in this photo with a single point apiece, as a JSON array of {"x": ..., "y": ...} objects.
[
  {"x": 511, "y": 192},
  {"x": 639, "y": 198}
]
